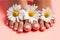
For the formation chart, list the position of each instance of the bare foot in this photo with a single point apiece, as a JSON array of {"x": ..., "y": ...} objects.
[
  {"x": 15, "y": 14},
  {"x": 42, "y": 5}
]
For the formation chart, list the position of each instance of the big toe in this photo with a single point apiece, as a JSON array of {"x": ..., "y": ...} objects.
[{"x": 35, "y": 26}]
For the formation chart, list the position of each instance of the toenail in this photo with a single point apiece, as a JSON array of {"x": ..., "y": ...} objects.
[
  {"x": 36, "y": 25},
  {"x": 20, "y": 30},
  {"x": 27, "y": 26},
  {"x": 15, "y": 28}
]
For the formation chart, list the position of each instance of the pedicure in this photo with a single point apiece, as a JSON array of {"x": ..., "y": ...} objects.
[
  {"x": 42, "y": 29},
  {"x": 17, "y": 16}
]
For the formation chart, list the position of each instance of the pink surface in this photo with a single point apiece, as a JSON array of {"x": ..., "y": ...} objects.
[{"x": 51, "y": 34}]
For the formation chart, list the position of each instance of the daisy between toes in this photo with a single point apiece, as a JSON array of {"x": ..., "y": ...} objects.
[
  {"x": 16, "y": 15},
  {"x": 47, "y": 15},
  {"x": 32, "y": 15}
]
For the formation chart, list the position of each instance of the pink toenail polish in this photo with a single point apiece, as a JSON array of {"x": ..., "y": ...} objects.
[
  {"x": 27, "y": 28},
  {"x": 15, "y": 29},
  {"x": 42, "y": 29},
  {"x": 11, "y": 27},
  {"x": 48, "y": 26},
  {"x": 20, "y": 30},
  {"x": 35, "y": 27}
]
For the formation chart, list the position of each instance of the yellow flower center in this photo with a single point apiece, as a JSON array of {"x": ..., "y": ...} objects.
[
  {"x": 47, "y": 14},
  {"x": 31, "y": 13},
  {"x": 15, "y": 13}
]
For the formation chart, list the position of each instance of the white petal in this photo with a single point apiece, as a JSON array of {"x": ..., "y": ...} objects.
[
  {"x": 43, "y": 9},
  {"x": 22, "y": 11},
  {"x": 47, "y": 20},
  {"x": 17, "y": 19},
  {"x": 21, "y": 15},
  {"x": 33, "y": 7},
  {"x": 13, "y": 19},
  {"x": 28, "y": 7},
  {"x": 42, "y": 12},
  {"x": 15, "y": 7},
  {"x": 10, "y": 9},
  {"x": 36, "y": 17},
  {"x": 9, "y": 13},
  {"x": 42, "y": 17},
  {"x": 18, "y": 7},
  {"x": 31, "y": 20},
  {"x": 10, "y": 17},
  {"x": 26, "y": 17}
]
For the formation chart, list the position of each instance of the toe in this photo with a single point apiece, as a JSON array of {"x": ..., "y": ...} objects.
[
  {"x": 15, "y": 26},
  {"x": 7, "y": 21},
  {"x": 51, "y": 23},
  {"x": 47, "y": 25},
  {"x": 35, "y": 26},
  {"x": 10, "y": 23},
  {"x": 20, "y": 27},
  {"x": 54, "y": 21},
  {"x": 42, "y": 27},
  {"x": 27, "y": 26}
]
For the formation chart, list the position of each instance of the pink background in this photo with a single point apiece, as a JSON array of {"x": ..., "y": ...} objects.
[{"x": 51, "y": 34}]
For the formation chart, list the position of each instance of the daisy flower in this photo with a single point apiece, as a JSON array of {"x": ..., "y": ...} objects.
[
  {"x": 15, "y": 13},
  {"x": 31, "y": 13},
  {"x": 47, "y": 14}
]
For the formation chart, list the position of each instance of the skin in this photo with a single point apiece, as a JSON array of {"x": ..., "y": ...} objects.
[
  {"x": 17, "y": 26},
  {"x": 35, "y": 26},
  {"x": 23, "y": 23},
  {"x": 27, "y": 24},
  {"x": 43, "y": 4}
]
